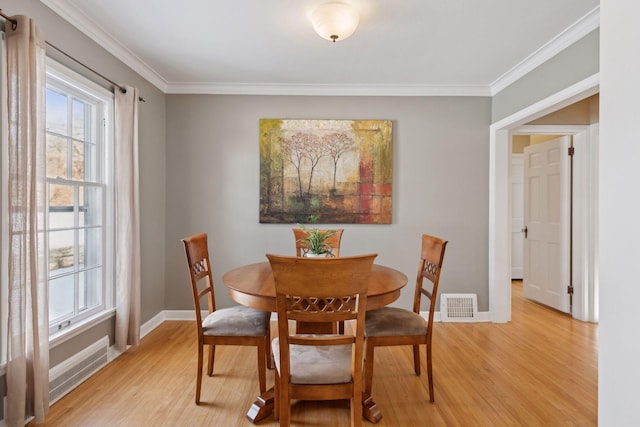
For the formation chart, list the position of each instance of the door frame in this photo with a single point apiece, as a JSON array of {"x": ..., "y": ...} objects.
[
  {"x": 499, "y": 202},
  {"x": 516, "y": 159}
]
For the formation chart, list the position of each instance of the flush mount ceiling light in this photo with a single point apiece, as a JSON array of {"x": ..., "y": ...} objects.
[{"x": 334, "y": 21}]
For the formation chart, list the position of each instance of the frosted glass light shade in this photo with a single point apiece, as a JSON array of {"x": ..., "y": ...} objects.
[{"x": 334, "y": 21}]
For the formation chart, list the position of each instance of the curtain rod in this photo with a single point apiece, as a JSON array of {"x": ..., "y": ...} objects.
[
  {"x": 14, "y": 24},
  {"x": 120, "y": 88}
]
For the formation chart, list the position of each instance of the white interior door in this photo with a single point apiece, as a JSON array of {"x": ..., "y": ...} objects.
[
  {"x": 517, "y": 216},
  {"x": 547, "y": 220}
]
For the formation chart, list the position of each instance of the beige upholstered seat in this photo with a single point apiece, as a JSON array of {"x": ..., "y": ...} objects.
[
  {"x": 319, "y": 367},
  {"x": 393, "y": 321},
  {"x": 316, "y": 365},
  {"x": 395, "y": 326},
  {"x": 237, "y": 320},
  {"x": 227, "y": 326}
]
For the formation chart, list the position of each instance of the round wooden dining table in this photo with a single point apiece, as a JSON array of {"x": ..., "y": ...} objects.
[{"x": 253, "y": 286}]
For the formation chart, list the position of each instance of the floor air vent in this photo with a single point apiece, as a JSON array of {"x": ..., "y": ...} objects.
[
  {"x": 68, "y": 374},
  {"x": 459, "y": 307}
]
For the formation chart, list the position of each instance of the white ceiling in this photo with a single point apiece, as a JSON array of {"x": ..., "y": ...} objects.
[{"x": 401, "y": 47}]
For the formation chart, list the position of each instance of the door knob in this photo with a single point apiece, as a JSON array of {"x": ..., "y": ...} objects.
[{"x": 525, "y": 231}]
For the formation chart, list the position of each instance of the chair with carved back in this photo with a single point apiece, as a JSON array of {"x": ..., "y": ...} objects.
[
  {"x": 333, "y": 241},
  {"x": 391, "y": 326},
  {"x": 237, "y": 325},
  {"x": 316, "y": 366}
]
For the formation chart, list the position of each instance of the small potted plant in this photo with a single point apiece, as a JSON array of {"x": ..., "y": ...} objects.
[{"x": 315, "y": 242}]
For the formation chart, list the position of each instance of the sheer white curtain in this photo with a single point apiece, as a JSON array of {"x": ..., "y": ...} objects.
[
  {"x": 28, "y": 320},
  {"x": 127, "y": 219},
  {"x": 4, "y": 191}
]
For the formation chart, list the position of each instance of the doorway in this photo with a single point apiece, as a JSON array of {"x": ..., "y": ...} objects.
[
  {"x": 519, "y": 142},
  {"x": 546, "y": 215},
  {"x": 499, "y": 201},
  {"x": 584, "y": 243}
]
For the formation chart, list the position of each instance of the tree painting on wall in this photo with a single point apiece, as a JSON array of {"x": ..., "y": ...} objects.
[{"x": 325, "y": 171}]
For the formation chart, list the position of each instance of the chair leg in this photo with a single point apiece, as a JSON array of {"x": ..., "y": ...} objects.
[
  {"x": 368, "y": 368},
  {"x": 416, "y": 358},
  {"x": 276, "y": 395},
  {"x": 356, "y": 411},
  {"x": 356, "y": 405},
  {"x": 212, "y": 355},
  {"x": 262, "y": 367},
  {"x": 199, "y": 376},
  {"x": 285, "y": 405},
  {"x": 269, "y": 355},
  {"x": 429, "y": 372}
]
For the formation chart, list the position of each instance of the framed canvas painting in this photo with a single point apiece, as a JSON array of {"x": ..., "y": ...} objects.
[{"x": 325, "y": 171}]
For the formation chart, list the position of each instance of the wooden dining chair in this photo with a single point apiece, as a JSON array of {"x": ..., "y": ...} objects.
[
  {"x": 389, "y": 326},
  {"x": 238, "y": 325},
  {"x": 316, "y": 366},
  {"x": 333, "y": 241}
]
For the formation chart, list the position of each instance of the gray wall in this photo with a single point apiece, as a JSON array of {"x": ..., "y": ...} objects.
[
  {"x": 440, "y": 180},
  {"x": 572, "y": 65},
  {"x": 152, "y": 153}
]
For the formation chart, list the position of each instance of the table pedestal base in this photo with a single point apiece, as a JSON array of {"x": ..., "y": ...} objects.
[
  {"x": 262, "y": 407},
  {"x": 370, "y": 410},
  {"x": 264, "y": 404}
]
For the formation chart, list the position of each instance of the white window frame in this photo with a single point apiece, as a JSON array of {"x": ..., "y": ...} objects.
[{"x": 72, "y": 83}]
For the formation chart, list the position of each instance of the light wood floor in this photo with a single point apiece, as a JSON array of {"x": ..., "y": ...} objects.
[{"x": 538, "y": 370}]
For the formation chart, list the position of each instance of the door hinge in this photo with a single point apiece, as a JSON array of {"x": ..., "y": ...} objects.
[
  {"x": 570, "y": 289},
  {"x": 571, "y": 151}
]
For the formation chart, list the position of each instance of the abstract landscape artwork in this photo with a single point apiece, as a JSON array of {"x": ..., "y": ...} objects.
[{"x": 325, "y": 171}]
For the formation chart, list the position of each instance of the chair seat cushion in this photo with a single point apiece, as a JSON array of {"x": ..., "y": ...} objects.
[
  {"x": 329, "y": 364},
  {"x": 393, "y": 321},
  {"x": 238, "y": 320}
]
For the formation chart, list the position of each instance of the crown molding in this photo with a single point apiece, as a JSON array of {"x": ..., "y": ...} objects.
[
  {"x": 566, "y": 38},
  {"x": 326, "y": 90},
  {"x": 87, "y": 26},
  {"x": 75, "y": 17}
]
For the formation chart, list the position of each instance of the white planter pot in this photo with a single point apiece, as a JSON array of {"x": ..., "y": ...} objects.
[{"x": 310, "y": 255}]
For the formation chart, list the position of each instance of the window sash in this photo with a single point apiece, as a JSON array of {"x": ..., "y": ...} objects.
[{"x": 85, "y": 132}]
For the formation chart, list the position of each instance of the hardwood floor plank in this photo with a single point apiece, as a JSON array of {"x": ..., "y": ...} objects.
[{"x": 540, "y": 369}]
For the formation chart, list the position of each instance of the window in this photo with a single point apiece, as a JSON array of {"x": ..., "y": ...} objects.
[{"x": 79, "y": 197}]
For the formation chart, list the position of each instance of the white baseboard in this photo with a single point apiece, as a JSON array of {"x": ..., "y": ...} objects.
[
  {"x": 152, "y": 323},
  {"x": 157, "y": 320},
  {"x": 188, "y": 315}
]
